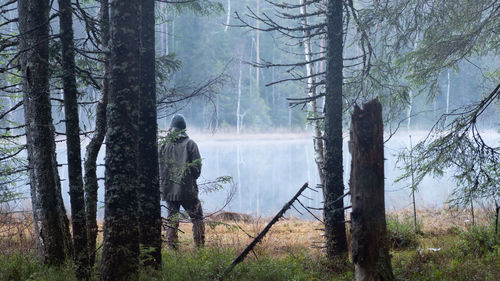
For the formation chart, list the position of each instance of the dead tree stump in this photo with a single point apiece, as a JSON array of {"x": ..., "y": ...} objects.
[{"x": 369, "y": 245}]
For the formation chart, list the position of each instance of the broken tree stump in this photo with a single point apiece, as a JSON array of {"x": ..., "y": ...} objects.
[{"x": 369, "y": 244}]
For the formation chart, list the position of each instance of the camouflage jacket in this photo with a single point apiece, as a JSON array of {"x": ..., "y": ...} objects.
[{"x": 180, "y": 166}]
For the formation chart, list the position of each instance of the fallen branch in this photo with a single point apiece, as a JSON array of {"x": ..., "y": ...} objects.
[{"x": 261, "y": 235}]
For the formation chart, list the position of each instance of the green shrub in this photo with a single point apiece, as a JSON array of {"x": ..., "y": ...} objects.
[
  {"x": 401, "y": 232},
  {"x": 479, "y": 240},
  {"x": 18, "y": 267}
]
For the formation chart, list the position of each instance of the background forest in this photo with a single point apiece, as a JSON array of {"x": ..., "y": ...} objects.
[{"x": 206, "y": 45}]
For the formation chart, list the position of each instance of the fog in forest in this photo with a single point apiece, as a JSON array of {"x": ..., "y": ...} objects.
[
  {"x": 268, "y": 169},
  {"x": 97, "y": 96},
  {"x": 273, "y": 154}
]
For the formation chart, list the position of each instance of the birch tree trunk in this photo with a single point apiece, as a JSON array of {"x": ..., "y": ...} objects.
[
  {"x": 322, "y": 69},
  {"x": 49, "y": 215},
  {"x": 273, "y": 78},
  {"x": 120, "y": 257},
  {"x": 228, "y": 17},
  {"x": 78, "y": 218},
  {"x": 92, "y": 150},
  {"x": 162, "y": 30},
  {"x": 257, "y": 52},
  {"x": 149, "y": 191},
  {"x": 165, "y": 26},
  {"x": 311, "y": 92},
  {"x": 336, "y": 242},
  {"x": 448, "y": 93},
  {"x": 238, "y": 103}
]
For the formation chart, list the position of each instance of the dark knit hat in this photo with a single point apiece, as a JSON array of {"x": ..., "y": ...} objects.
[{"x": 178, "y": 122}]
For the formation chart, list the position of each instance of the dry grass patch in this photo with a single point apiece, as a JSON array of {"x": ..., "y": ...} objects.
[{"x": 288, "y": 236}]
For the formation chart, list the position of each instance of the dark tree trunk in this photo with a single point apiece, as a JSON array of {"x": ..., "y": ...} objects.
[
  {"x": 78, "y": 219},
  {"x": 336, "y": 242},
  {"x": 147, "y": 165},
  {"x": 63, "y": 217},
  {"x": 91, "y": 184},
  {"x": 120, "y": 258},
  {"x": 370, "y": 251},
  {"x": 51, "y": 223}
]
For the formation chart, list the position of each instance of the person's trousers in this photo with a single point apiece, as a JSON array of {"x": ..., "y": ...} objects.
[{"x": 195, "y": 212}]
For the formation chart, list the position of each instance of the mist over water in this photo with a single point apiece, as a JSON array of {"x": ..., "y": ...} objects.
[
  {"x": 271, "y": 170},
  {"x": 268, "y": 169},
  {"x": 266, "y": 172}
]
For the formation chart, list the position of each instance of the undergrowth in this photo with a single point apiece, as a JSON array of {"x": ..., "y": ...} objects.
[
  {"x": 471, "y": 254},
  {"x": 454, "y": 253},
  {"x": 401, "y": 232},
  {"x": 195, "y": 265}
]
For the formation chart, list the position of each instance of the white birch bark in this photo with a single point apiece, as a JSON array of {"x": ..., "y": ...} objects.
[
  {"x": 311, "y": 91},
  {"x": 238, "y": 103},
  {"x": 228, "y": 17},
  {"x": 162, "y": 30},
  {"x": 448, "y": 94},
  {"x": 273, "y": 79},
  {"x": 257, "y": 51}
]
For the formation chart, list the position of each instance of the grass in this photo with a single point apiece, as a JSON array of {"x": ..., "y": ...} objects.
[
  {"x": 453, "y": 261},
  {"x": 205, "y": 264},
  {"x": 448, "y": 248}
]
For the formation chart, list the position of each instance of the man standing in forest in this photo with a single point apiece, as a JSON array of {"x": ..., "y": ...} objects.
[{"x": 180, "y": 166}]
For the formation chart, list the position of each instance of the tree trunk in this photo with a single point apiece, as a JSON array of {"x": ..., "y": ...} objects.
[
  {"x": 311, "y": 91},
  {"x": 273, "y": 78},
  {"x": 238, "y": 102},
  {"x": 149, "y": 191},
  {"x": 448, "y": 93},
  {"x": 228, "y": 17},
  {"x": 91, "y": 184},
  {"x": 336, "y": 241},
  {"x": 161, "y": 7},
  {"x": 257, "y": 52},
  {"x": 369, "y": 245},
  {"x": 409, "y": 114},
  {"x": 120, "y": 257},
  {"x": 78, "y": 219},
  {"x": 50, "y": 221},
  {"x": 289, "y": 119}
]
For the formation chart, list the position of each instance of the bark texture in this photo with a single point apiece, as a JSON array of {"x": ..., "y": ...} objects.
[
  {"x": 91, "y": 184},
  {"x": 50, "y": 221},
  {"x": 78, "y": 218},
  {"x": 336, "y": 242},
  {"x": 149, "y": 191},
  {"x": 370, "y": 251},
  {"x": 120, "y": 258}
]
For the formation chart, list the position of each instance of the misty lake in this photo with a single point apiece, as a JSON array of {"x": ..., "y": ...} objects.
[{"x": 268, "y": 169}]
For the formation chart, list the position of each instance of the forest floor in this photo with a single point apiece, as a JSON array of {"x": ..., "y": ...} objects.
[{"x": 447, "y": 247}]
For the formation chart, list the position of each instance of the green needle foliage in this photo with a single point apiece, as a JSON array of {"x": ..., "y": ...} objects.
[
  {"x": 423, "y": 40},
  {"x": 459, "y": 148}
]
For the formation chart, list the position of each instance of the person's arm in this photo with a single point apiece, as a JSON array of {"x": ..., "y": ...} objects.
[
  {"x": 194, "y": 159},
  {"x": 163, "y": 169}
]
